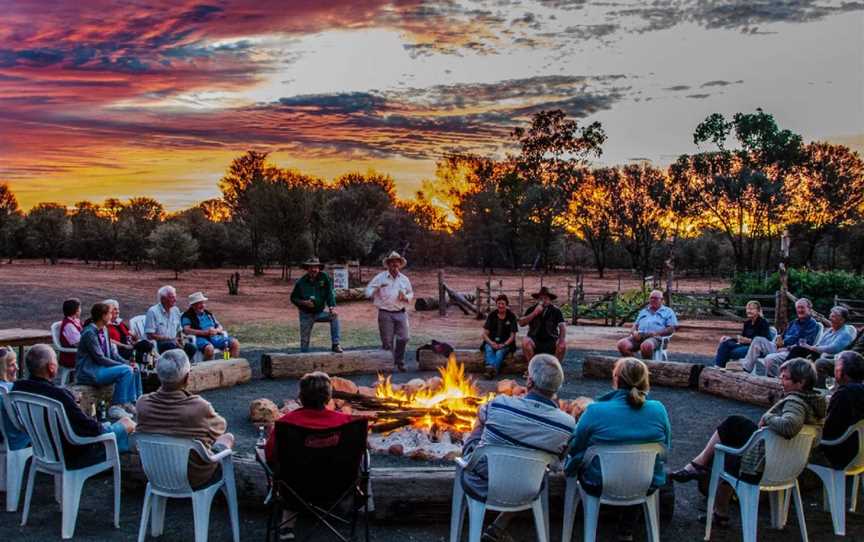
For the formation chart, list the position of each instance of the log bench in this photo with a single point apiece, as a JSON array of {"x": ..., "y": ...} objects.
[
  {"x": 206, "y": 375},
  {"x": 349, "y": 362},
  {"x": 472, "y": 359},
  {"x": 736, "y": 385},
  {"x": 400, "y": 493}
]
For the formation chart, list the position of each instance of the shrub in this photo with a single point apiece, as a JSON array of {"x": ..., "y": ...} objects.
[{"x": 819, "y": 286}]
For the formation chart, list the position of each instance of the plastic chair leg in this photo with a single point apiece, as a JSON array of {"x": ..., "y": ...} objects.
[
  {"x": 457, "y": 508},
  {"x": 748, "y": 502},
  {"x": 116, "y": 475},
  {"x": 4, "y": 459},
  {"x": 15, "y": 464},
  {"x": 853, "y": 502},
  {"x": 712, "y": 491},
  {"x": 590, "y": 509},
  {"x": 779, "y": 503},
  {"x": 201, "y": 502},
  {"x": 157, "y": 515},
  {"x": 58, "y": 488},
  {"x": 476, "y": 513},
  {"x": 72, "y": 485},
  {"x": 799, "y": 510},
  {"x": 31, "y": 479},
  {"x": 571, "y": 500},
  {"x": 834, "y": 495},
  {"x": 145, "y": 514},
  {"x": 544, "y": 502},
  {"x": 540, "y": 521},
  {"x": 230, "y": 491},
  {"x": 652, "y": 518}
]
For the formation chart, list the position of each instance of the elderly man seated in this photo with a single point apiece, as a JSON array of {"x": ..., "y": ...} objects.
[
  {"x": 162, "y": 323},
  {"x": 315, "y": 392},
  {"x": 845, "y": 409},
  {"x": 654, "y": 321},
  {"x": 533, "y": 421},
  {"x": 834, "y": 340},
  {"x": 42, "y": 365},
  {"x": 173, "y": 411},
  {"x": 804, "y": 330},
  {"x": 208, "y": 332}
]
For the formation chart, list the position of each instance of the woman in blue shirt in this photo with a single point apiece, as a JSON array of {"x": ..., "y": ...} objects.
[{"x": 18, "y": 440}]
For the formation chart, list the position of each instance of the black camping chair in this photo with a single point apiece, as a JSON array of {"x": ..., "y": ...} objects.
[{"x": 317, "y": 471}]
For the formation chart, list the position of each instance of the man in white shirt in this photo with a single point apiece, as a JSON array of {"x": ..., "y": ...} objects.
[
  {"x": 391, "y": 292},
  {"x": 162, "y": 323}
]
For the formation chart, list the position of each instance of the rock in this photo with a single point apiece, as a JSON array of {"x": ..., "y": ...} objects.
[
  {"x": 451, "y": 456},
  {"x": 346, "y": 409},
  {"x": 343, "y": 385},
  {"x": 414, "y": 386},
  {"x": 435, "y": 383},
  {"x": 288, "y": 405},
  {"x": 506, "y": 386},
  {"x": 420, "y": 455},
  {"x": 396, "y": 449},
  {"x": 366, "y": 391},
  {"x": 263, "y": 411},
  {"x": 519, "y": 391}
]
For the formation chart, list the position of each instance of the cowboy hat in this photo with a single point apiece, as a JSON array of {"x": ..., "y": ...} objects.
[
  {"x": 197, "y": 297},
  {"x": 545, "y": 291},
  {"x": 395, "y": 256},
  {"x": 312, "y": 262}
]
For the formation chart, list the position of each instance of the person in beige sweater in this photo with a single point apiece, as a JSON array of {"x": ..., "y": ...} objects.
[{"x": 173, "y": 411}]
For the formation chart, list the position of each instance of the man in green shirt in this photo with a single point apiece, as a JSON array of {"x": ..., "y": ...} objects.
[{"x": 312, "y": 293}]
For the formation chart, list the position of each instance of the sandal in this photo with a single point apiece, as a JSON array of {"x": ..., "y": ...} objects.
[{"x": 686, "y": 475}]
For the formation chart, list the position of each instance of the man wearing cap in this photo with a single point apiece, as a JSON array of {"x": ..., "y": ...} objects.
[
  {"x": 312, "y": 293},
  {"x": 173, "y": 411},
  {"x": 208, "y": 332},
  {"x": 547, "y": 331},
  {"x": 391, "y": 292},
  {"x": 654, "y": 321}
]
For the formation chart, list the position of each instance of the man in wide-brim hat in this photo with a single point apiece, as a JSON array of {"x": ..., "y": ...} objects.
[
  {"x": 391, "y": 292},
  {"x": 547, "y": 331},
  {"x": 315, "y": 299},
  {"x": 209, "y": 334}
]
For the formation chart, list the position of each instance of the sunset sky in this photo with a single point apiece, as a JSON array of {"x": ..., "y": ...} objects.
[{"x": 119, "y": 99}]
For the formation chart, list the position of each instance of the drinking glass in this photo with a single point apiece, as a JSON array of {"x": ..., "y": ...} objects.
[{"x": 829, "y": 382}]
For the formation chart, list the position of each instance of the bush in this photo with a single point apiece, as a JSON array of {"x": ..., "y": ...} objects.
[{"x": 819, "y": 286}]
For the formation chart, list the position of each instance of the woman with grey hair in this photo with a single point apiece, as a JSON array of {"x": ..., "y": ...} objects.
[
  {"x": 834, "y": 340},
  {"x": 800, "y": 405},
  {"x": 18, "y": 440},
  {"x": 122, "y": 337}
]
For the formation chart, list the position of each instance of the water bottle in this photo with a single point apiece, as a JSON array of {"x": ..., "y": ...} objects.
[
  {"x": 103, "y": 411},
  {"x": 262, "y": 438},
  {"x": 226, "y": 347}
]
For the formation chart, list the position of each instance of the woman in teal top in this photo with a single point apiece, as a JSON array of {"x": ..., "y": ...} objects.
[
  {"x": 622, "y": 416},
  {"x": 18, "y": 440}
]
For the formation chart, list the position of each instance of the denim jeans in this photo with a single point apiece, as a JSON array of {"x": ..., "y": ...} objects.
[
  {"x": 126, "y": 380},
  {"x": 308, "y": 319},
  {"x": 494, "y": 358},
  {"x": 728, "y": 350},
  {"x": 119, "y": 433}
]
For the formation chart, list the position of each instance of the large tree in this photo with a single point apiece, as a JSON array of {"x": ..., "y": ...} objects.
[
  {"x": 353, "y": 211},
  {"x": 48, "y": 227},
  {"x": 247, "y": 171},
  {"x": 590, "y": 216},
  {"x": 10, "y": 221},
  {"x": 172, "y": 247},
  {"x": 138, "y": 218},
  {"x": 89, "y": 231}
]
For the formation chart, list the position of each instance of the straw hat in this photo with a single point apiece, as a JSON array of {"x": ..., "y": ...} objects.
[
  {"x": 395, "y": 256},
  {"x": 197, "y": 297},
  {"x": 312, "y": 262},
  {"x": 544, "y": 291}
]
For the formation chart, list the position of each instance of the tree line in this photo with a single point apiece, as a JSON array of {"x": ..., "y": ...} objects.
[{"x": 722, "y": 209}]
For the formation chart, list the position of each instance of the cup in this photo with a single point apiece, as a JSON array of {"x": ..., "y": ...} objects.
[{"x": 829, "y": 382}]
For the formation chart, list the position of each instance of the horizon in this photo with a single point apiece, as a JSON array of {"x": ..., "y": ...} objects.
[{"x": 124, "y": 100}]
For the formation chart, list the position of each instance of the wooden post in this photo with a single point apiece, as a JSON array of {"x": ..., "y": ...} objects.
[
  {"x": 522, "y": 294},
  {"x": 574, "y": 304},
  {"x": 489, "y": 294},
  {"x": 442, "y": 295},
  {"x": 781, "y": 317}
]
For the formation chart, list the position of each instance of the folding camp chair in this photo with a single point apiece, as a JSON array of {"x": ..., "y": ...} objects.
[{"x": 317, "y": 470}]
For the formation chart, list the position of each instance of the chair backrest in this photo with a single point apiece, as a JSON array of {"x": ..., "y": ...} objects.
[
  {"x": 320, "y": 464},
  {"x": 772, "y": 333},
  {"x": 136, "y": 326},
  {"x": 44, "y": 420},
  {"x": 165, "y": 460},
  {"x": 785, "y": 459},
  {"x": 854, "y": 432},
  {"x": 820, "y": 329},
  {"x": 6, "y": 411},
  {"x": 55, "y": 334},
  {"x": 628, "y": 469},
  {"x": 506, "y": 489}
]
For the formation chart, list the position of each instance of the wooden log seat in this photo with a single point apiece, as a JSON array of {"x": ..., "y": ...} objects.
[
  {"x": 349, "y": 362},
  {"x": 472, "y": 358},
  {"x": 663, "y": 373}
]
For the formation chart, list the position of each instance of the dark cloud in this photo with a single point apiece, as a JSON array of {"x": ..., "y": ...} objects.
[
  {"x": 698, "y": 96},
  {"x": 676, "y": 88}
]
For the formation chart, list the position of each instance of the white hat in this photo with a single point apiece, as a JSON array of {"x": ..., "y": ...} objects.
[
  {"x": 197, "y": 297},
  {"x": 395, "y": 256}
]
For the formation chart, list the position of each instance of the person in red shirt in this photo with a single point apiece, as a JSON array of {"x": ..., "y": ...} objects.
[
  {"x": 315, "y": 393},
  {"x": 70, "y": 331}
]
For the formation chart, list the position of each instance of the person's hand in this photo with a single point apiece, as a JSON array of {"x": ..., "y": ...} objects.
[
  {"x": 226, "y": 439},
  {"x": 307, "y": 303},
  {"x": 127, "y": 424},
  {"x": 133, "y": 365},
  {"x": 634, "y": 333},
  {"x": 333, "y": 310},
  {"x": 779, "y": 341},
  {"x": 402, "y": 296},
  {"x": 562, "y": 343},
  {"x": 724, "y": 338},
  {"x": 211, "y": 332},
  {"x": 538, "y": 310}
]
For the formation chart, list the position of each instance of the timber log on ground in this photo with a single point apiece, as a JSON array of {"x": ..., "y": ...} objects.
[
  {"x": 472, "y": 358},
  {"x": 347, "y": 363},
  {"x": 663, "y": 373},
  {"x": 740, "y": 386}
]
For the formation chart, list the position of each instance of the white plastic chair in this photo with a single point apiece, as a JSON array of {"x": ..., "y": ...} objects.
[
  {"x": 199, "y": 355},
  {"x": 507, "y": 492},
  {"x": 627, "y": 474},
  {"x": 65, "y": 372},
  {"x": 661, "y": 353},
  {"x": 165, "y": 461},
  {"x": 821, "y": 329},
  {"x": 834, "y": 480},
  {"x": 45, "y": 420},
  {"x": 785, "y": 459},
  {"x": 14, "y": 462}
]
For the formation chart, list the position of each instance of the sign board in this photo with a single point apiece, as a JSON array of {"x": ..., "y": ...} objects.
[{"x": 340, "y": 276}]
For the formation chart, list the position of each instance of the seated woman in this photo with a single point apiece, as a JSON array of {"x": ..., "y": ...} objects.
[
  {"x": 736, "y": 347},
  {"x": 18, "y": 440},
  {"x": 499, "y": 336},
  {"x": 315, "y": 392},
  {"x": 123, "y": 339},
  {"x": 70, "y": 331},
  {"x": 833, "y": 341},
  {"x": 799, "y": 405},
  {"x": 98, "y": 364},
  {"x": 622, "y": 416}
]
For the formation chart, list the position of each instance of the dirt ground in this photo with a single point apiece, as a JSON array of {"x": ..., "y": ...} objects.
[{"x": 31, "y": 294}]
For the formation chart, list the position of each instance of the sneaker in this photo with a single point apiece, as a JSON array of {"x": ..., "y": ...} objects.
[
  {"x": 490, "y": 373},
  {"x": 337, "y": 349},
  {"x": 116, "y": 412}
]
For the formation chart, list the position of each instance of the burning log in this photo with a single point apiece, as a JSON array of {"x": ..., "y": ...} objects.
[
  {"x": 472, "y": 359},
  {"x": 349, "y": 362}
]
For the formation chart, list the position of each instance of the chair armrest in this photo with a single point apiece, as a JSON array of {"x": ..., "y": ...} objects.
[
  {"x": 852, "y": 430},
  {"x": 462, "y": 463},
  {"x": 81, "y": 441},
  {"x": 758, "y": 435},
  {"x": 218, "y": 458}
]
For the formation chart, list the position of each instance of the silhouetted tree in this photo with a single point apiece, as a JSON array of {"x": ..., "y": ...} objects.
[
  {"x": 10, "y": 221},
  {"x": 172, "y": 247},
  {"x": 49, "y": 229}
]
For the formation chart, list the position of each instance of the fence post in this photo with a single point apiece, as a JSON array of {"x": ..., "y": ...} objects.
[
  {"x": 442, "y": 296},
  {"x": 574, "y": 305},
  {"x": 522, "y": 294}
]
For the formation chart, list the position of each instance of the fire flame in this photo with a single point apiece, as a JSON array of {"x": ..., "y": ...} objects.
[{"x": 450, "y": 407}]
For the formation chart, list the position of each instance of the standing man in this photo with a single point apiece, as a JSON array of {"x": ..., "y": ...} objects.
[
  {"x": 162, "y": 323},
  {"x": 547, "y": 331},
  {"x": 312, "y": 292},
  {"x": 391, "y": 292},
  {"x": 654, "y": 321}
]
